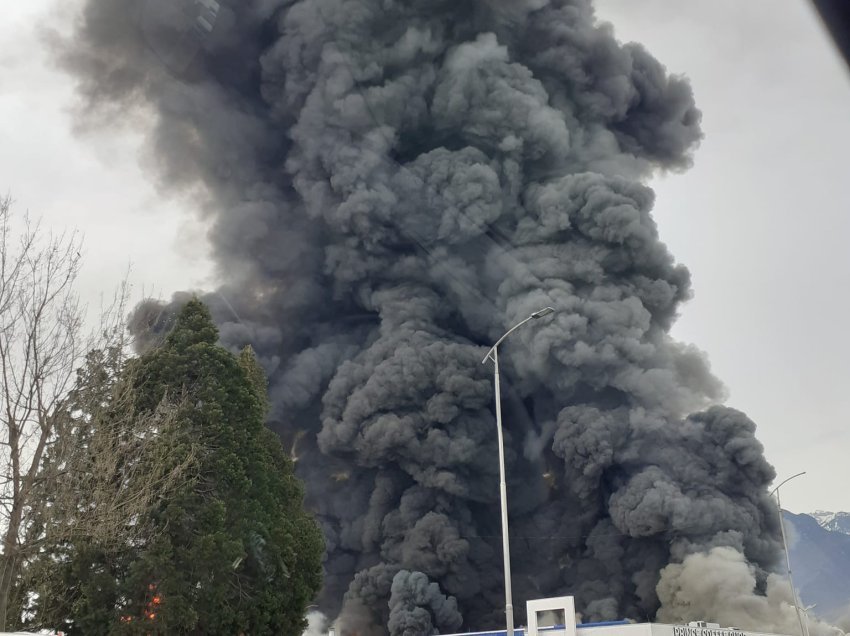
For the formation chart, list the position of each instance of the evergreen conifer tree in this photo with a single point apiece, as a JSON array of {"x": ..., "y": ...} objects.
[{"x": 230, "y": 551}]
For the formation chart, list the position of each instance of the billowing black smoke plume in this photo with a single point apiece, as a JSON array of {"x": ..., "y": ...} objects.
[{"x": 387, "y": 186}]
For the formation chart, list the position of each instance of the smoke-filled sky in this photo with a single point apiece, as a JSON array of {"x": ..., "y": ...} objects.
[
  {"x": 388, "y": 185},
  {"x": 760, "y": 220}
]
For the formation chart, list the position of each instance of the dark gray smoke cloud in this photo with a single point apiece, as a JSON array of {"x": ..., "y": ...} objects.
[
  {"x": 417, "y": 606},
  {"x": 387, "y": 186}
]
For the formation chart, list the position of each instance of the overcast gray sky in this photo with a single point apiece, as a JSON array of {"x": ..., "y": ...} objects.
[{"x": 761, "y": 219}]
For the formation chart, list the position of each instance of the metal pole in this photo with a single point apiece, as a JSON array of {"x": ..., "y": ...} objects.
[
  {"x": 804, "y": 628},
  {"x": 493, "y": 354},
  {"x": 503, "y": 492}
]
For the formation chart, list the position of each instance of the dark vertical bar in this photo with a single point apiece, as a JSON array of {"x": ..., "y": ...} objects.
[{"x": 835, "y": 14}]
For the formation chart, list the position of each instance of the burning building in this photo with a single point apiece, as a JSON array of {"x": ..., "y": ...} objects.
[{"x": 386, "y": 186}]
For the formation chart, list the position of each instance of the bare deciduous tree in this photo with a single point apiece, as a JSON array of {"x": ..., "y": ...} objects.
[
  {"x": 110, "y": 463},
  {"x": 41, "y": 345}
]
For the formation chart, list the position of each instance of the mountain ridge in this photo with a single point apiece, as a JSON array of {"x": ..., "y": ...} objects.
[{"x": 832, "y": 521}]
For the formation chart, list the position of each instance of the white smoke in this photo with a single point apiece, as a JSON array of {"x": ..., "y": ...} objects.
[
  {"x": 843, "y": 620},
  {"x": 720, "y": 586},
  {"x": 317, "y": 624}
]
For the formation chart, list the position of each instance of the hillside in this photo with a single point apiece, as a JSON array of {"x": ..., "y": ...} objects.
[{"x": 820, "y": 561}]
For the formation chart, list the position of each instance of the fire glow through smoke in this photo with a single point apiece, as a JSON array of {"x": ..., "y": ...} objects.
[{"x": 390, "y": 184}]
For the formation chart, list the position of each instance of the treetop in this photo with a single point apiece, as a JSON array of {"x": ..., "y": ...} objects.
[{"x": 194, "y": 325}]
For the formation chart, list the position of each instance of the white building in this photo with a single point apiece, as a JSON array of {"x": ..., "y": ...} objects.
[{"x": 564, "y": 608}]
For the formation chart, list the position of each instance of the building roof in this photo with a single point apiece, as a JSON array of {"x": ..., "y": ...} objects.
[
  {"x": 625, "y": 628},
  {"x": 564, "y": 606}
]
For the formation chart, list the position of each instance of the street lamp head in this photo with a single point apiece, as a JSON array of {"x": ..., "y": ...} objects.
[
  {"x": 782, "y": 483},
  {"x": 491, "y": 355}
]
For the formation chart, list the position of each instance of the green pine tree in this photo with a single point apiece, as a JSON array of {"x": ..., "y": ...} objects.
[{"x": 231, "y": 551}]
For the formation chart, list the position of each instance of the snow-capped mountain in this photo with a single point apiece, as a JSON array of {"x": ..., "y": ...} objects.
[{"x": 832, "y": 521}]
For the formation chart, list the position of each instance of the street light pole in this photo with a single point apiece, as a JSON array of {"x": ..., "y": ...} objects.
[
  {"x": 493, "y": 354},
  {"x": 804, "y": 628}
]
